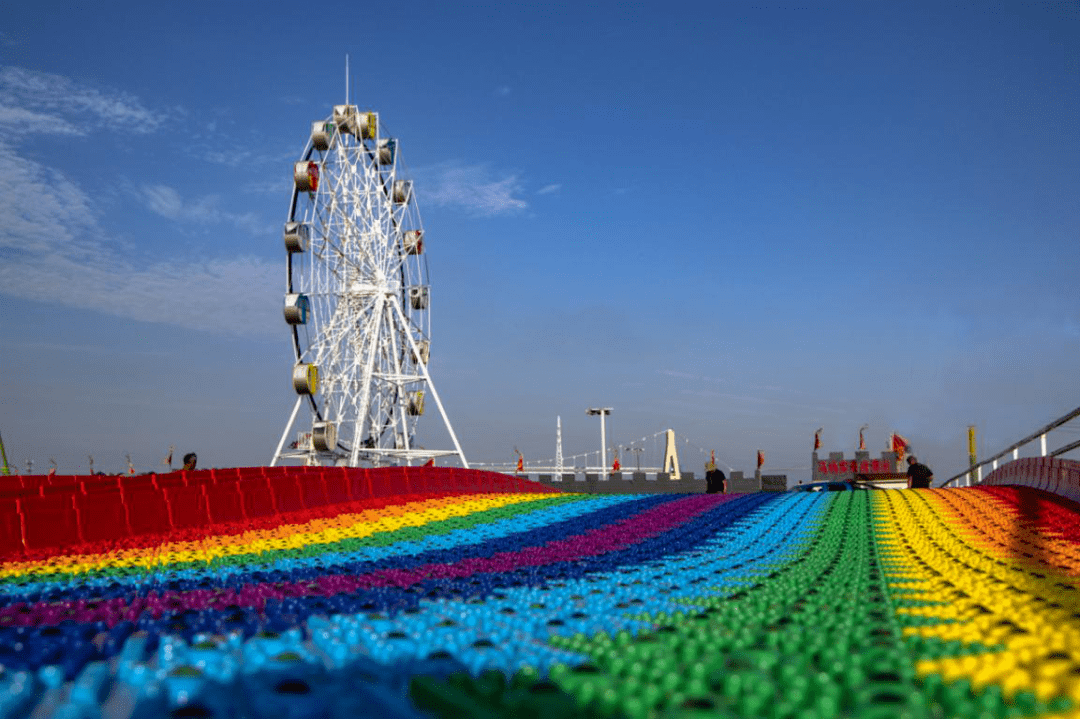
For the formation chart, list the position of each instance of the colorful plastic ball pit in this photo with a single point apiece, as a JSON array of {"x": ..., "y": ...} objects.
[{"x": 524, "y": 602}]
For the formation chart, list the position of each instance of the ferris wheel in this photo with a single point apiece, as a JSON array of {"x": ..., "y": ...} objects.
[{"x": 357, "y": 301}]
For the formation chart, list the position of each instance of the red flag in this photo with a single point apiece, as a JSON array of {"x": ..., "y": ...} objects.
[
  {"x": 862, "y": 442},
  {"x": 760, "y": 458},
  {"x": 521, "y": 462},
  {"x": 900, "y": 446},
  {"x": 817, "y": 440},
  {"x": 52, "y": 471},
  {"x": 430, "y": 462},
  {"x": 616, "y": 466}
]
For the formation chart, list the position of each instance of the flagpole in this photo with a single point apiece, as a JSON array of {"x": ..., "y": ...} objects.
[{"x": 3, "y": 452}]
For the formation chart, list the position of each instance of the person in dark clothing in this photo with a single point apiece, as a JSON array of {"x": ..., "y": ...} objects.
[
  {"x": 918, "y": 475},
  {"x": 715, "y": 481}
]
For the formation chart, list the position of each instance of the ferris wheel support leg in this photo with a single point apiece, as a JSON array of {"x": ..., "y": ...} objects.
[
  {"x": 402, "y": 425},
  {"x": 431, "y": 386},
  {"x": 446, "y": 421},
  {"x": 285, "y": 434}
]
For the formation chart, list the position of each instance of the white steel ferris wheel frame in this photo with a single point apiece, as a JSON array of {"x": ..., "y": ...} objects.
[{"x": 357, "y": 301}]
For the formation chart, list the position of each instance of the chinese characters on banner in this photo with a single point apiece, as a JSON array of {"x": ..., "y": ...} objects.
[{"x": 845, "y": 466}]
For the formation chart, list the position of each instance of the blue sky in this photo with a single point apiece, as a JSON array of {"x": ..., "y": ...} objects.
[{"x": 743, "y": 221}]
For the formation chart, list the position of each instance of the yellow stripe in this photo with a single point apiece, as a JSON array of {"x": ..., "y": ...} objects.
[
  {"x": 291, "y": 536},
  {"x": 987, "y": 607}
]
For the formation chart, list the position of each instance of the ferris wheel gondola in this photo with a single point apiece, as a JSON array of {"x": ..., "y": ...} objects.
[{"x": 357, "y": 300}]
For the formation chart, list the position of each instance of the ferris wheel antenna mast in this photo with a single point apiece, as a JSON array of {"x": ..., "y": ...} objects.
[{"x": 558, "y": 446}]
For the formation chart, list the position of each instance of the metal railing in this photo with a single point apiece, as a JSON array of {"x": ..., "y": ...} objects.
[{"x": 1014, "y": 449}]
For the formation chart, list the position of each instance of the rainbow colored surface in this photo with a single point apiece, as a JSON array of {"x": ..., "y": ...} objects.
[{"x": 928, "y": 603}]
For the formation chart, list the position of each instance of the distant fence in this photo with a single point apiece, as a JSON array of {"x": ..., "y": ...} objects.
[{"x": 650, "y": 483}]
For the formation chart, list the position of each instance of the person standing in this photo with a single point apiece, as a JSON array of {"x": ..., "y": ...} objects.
[
  {"x": 715, "y": 480},
  {"x": 918, "y": 474}
]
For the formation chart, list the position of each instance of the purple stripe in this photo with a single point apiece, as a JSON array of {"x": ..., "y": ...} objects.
[{"x": 649, "y": 523}]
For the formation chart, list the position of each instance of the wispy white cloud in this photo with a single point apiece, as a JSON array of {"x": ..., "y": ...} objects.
[
  {"x": 294, "y": 100},
  {"x": 163, "y": 200},
  {"x": 213, "y": 143},
  {"x": 280, "y": 188},
  {"x": 242, "y": 157},
  {"x": 39, "y": 102},
  {"x": 475, "y": 188},
  {"x": 21, "y": 121},
  {"x": 52, "y": 252},
  {"x": 42, "y": 209},
  {"x": 235, "y": 296},
  {"x": 502, "y": 90},
  {"x": 167, "y": 202},
  {"x": 549, "y": 189}
]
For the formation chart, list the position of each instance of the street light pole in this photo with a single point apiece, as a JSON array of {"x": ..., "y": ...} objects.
[{"x": 603, "y": 412}]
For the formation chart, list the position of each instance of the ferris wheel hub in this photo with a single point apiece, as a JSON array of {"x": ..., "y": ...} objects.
[{"x": 371, "y": 289}]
